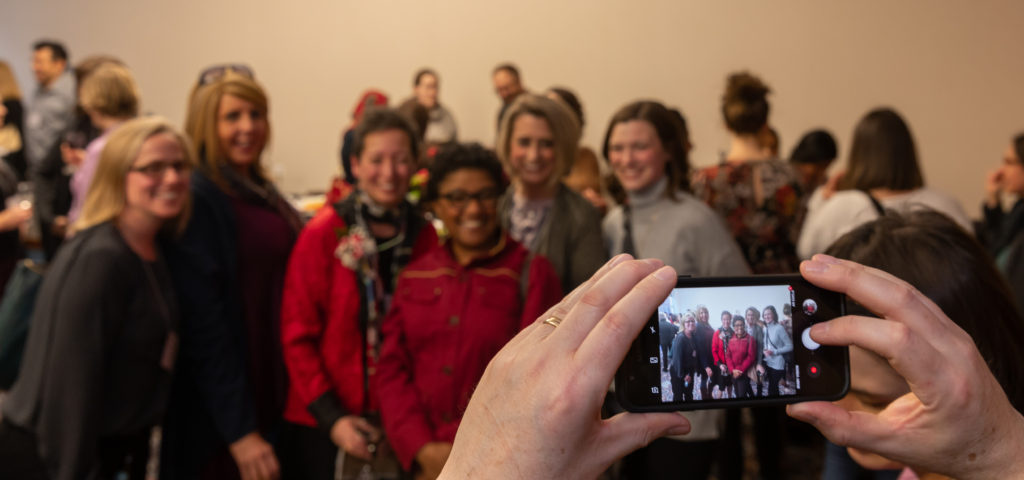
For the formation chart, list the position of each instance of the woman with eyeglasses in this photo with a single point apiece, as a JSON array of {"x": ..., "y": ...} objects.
[
  {"x": 454, "y": 309},
  {"x": 229, "y": 268},
  {"x": 99, "y": 357},
  {"x": 537, "y": 143},
  {"x": 340, "y": 282}
]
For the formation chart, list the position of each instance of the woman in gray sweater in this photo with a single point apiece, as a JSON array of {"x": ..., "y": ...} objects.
[{"x": 647, "y": 147}]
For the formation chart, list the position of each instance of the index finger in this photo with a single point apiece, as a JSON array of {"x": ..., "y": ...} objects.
[{"x": 881, "y": 293}]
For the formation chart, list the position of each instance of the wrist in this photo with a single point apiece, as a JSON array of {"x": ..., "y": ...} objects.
[{"x": 1003, "y": 459}]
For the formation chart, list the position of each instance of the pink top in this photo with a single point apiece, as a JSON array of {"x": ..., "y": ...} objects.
[{"x": 82, "y": 178}]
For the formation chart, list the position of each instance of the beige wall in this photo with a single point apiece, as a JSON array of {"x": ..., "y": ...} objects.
[{"x": 953, "y": 68}]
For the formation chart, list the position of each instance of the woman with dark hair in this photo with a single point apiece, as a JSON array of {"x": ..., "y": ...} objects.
[
  {"x": 882, "y": 174},
  {"x": 775, "y": 344},
  {"x": 646, "y": 148},
  {"x": 719, "y": 341},
  {"x": 753, "y": 191},
  {"x": 229, "y": 268},
  {"x": 1001, "y": 229},
  {"x": 537, "y": 144},
  {"x": 944, "y": 263},
  {"x": 811, "y": 157},
  {"x": 742, "y": 353},
  {"x": 99, "y": 358},
  {"x": 340, "y": 281},
  {"x": 454, "y": 309},
  {"x": 755, "y": 329}
]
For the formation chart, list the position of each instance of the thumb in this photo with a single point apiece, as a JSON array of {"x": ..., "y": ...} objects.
[
  {"x": 627, "y": 432},
  {"x": 843, "y": 427}
]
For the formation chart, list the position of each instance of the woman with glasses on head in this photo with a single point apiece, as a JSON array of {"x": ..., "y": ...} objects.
[
  {"x": 229, "y": 268},
  {"x": 454, "y": 309},
  {"x": 537, "y": 144},
  {"x": 340, "y": 282},
  {"x": 97, "y": 367}
]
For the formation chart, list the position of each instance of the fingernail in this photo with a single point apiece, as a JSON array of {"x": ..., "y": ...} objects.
[
  {"x": 679, "y": 430},
  {"x": 821, "y": 257},
  {"x": 814, "y": 266},
  {"x": 665, "y": 273},
  {"x": 654, "y": 262},
  {"x": 619, "y": 258},
  {"x": 819, "y": 329}
]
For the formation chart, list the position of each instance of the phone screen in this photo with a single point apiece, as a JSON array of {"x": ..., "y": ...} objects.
[{"x": 720, "y": 342}]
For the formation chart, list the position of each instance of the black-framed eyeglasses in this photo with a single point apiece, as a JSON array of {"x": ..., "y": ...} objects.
[
  {"x": 217, "y": 72},
  {"x": 459, "y": 199},
  {"x": 156, "y": 170}
]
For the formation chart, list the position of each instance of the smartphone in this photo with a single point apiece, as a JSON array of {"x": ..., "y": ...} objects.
[{"x": 750, "y": 333}]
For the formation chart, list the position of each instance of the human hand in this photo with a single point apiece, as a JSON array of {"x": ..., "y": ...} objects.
[
  {"x": 724, "y": 369},
  {"x": 688, "y": 379},
  {"x": 354, "y": 434},
  {"x": 255, "y": 458},
  {"x": 595, "y": 199},
  {"x": 760, "y": 369},
  {"x": 993, "y": 187},
  {"x": 549, "y": 425},
  {"x": 737, "y": 373},
  {"x": 956, "y": 420},
  {"x": 71, "y": 156},
  {"x": 13, "y": 217},
  {"x": 431, "y": 459},
  {"x": 708, "y": 369},
  {"x": 768, "y": 352}
]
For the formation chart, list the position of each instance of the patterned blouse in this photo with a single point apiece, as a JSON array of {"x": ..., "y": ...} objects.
[{"x": 760, "y": 202}]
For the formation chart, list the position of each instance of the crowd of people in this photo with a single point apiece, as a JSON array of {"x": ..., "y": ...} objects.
[
  {"x": 376, "y": 336},
  {"x": 745, "y": 357}
]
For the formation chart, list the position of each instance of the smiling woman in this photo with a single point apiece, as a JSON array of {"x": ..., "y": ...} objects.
[
  {"x": 537, "y": 144},
  {"x": 97, "y": 367},
  {"x": 647, "y": 148},
  {"x": 229, "y": 269},
  {"x": 454, "y": 309}
]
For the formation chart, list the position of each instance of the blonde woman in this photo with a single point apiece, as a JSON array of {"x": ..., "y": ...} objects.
[
  {"x": 229, "y": 268},
  {"x": 97, "y": 367},
  {"x": 109, "y": 97},
  {"x": 537, "y": 144}
]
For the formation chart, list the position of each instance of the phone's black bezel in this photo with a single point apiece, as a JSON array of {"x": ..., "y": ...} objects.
[{"x": 634, "y": 356}]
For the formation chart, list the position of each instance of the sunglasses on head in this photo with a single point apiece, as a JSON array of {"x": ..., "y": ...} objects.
[{"x": 217, "y": 72}]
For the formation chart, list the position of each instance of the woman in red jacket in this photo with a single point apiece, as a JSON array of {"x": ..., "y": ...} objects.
[
  {"x": 741, "y": 354},
  {"x": 339, "y": 283},
  {"x": 454, "y": 309}
]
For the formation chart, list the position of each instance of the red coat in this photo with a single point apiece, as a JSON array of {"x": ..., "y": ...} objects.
[
  {"x": 446, "y": 323},
  {"x": 320, "y": 321},
  {"x": 742, "y": 353},
  {"x": 718, "y": 347}
]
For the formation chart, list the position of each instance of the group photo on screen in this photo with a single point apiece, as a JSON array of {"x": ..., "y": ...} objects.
[{"x": 748, "y": 354}]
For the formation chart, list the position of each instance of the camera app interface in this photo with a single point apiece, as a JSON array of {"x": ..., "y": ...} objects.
[{"x": 719, "y": 343}]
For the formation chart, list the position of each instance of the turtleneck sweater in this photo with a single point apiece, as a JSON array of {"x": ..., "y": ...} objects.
[{"x": 682, "y": 232}]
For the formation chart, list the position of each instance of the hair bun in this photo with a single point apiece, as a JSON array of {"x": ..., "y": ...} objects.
[{"x": 745, "y": 103}]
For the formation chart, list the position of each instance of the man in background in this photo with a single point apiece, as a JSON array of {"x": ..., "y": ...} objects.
[
  {"x": 507, "y": 85},
  {"x": 50, "y": 115}
]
